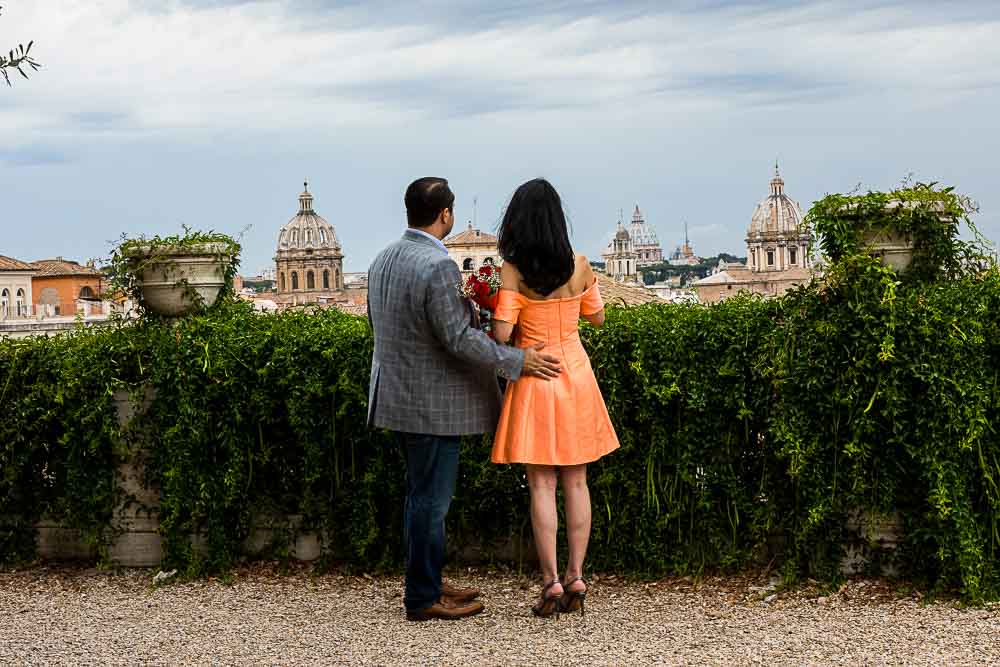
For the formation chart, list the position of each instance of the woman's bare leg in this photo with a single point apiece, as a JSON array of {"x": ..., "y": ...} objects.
[
  {"x": 544, "y": 520},
  {"x": 577, "y": 496}
]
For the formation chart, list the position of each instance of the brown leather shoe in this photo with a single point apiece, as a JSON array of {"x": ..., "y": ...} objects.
[
  {"x": 456, "y": 595},
  {"x": 447, "y": 612}
]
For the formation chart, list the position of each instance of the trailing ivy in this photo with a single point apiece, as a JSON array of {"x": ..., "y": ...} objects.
[
  {"x": 928, "y": 216},
  {"x": 749, "y": 429},
  {"x": 59, "y": 435}
]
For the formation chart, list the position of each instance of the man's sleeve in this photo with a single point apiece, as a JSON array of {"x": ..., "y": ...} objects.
[{"x": 448, "y": 314}]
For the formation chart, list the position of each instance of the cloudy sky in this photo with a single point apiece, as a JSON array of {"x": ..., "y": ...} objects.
[{"x": 151, "y": 114}]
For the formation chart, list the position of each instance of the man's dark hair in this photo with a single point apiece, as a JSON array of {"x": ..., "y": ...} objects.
[
  {"x": 533, "y": 236},
  {"x": 425, "y": 199}
]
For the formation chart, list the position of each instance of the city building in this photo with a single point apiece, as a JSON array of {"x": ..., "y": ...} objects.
[
  {"x": 620, "y": 259},
  {"x": 617, "y": 293},
  {"x": 356, "y": 280},
  {"x": 309, "y": 264},
  {"x": 65, "y": 287},
  {"x": 683, "y": 255},
  {"x": 265, "y": 282},
  {"x": 471, "y": 248},
  {"x": 777, "y": 252},
  {"x": 309, "y": 260},
  {"x": 777, "y": 241},
  {"x": 49, "y": 297},
  {"x": 671, "y": 290},
  {"x": 15, "y": 288},
  {"x": 645, "y": 243}
]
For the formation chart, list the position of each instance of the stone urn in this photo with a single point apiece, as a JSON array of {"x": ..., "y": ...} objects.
[
  {"x": 179, "y": 279},
  {"x": 892, "y": 246}
]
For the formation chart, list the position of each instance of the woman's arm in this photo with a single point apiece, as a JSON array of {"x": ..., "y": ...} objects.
[
  {"x": 596, "y": 319},
  {"x": 510, "y": 278}
]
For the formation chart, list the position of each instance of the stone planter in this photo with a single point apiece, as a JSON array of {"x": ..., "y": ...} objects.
[{"x": 177, "y": 280}]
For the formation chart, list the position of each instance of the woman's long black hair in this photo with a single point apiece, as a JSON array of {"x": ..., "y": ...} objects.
[{"x": 533, "y": 236}]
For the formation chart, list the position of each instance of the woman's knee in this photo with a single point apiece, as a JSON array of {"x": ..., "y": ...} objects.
[
  {"x": 573, "y": 478},
  {"x": 542, "y": 478}
]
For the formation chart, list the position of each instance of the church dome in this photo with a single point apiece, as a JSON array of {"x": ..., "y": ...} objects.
[
  {"x": 777, "y": 216},
  {"x": 642, "y": 235},
  {"x": 621, "y": 234},
  {"x": 308, "y": 230}
]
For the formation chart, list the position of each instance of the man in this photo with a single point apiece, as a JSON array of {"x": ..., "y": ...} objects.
[{"x": 433, "y": 380}]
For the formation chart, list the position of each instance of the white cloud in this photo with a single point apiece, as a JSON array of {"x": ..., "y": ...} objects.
[
  {"x": 210, "y": 110},
  {"x": 261, "y": 64}
]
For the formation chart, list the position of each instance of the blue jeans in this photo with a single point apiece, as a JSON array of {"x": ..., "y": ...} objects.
[{"x": 431, "y": 469}]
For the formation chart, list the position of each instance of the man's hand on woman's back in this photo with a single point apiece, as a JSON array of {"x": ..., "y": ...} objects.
[{"x": 540, "y": 365}]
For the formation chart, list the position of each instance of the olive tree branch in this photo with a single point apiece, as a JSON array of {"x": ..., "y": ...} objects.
[{"x": 18, "y": 59}]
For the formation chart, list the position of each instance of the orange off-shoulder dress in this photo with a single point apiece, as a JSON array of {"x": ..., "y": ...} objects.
[{"x": 558, "y": 422}]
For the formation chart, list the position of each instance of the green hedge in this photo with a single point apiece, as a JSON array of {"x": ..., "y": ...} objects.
[
  {"x": 744, "y": 425},
  {"x": 740, "y": 422}
]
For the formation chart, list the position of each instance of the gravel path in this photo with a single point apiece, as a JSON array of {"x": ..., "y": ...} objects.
[{"x": 53, "y": 615}]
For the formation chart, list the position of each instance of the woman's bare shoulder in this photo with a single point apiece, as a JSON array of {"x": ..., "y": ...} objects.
[
  {"x": 584, "y": 273},
  {"x": 510, "y": 275}
]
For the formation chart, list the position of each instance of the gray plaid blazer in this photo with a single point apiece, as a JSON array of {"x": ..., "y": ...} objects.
[{"x": 432, "y": 372}]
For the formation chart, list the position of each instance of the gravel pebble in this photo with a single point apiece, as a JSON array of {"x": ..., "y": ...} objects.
[{"x": 72, "y": 616}]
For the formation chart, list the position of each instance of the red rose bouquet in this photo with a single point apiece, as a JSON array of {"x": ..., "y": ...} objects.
[{"x": 483, "y": 289}]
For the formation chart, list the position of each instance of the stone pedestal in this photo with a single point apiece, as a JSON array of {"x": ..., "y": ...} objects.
[
  {"x": 135, "y": 540},
  {"x": 878, "y": 534}
]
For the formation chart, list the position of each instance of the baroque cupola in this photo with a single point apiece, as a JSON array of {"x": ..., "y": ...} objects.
[
  {"x": 776, "y": 239},
  {"x": 309, "y": 257}
]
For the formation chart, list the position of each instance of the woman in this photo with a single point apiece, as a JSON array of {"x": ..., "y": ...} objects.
[{"x": 557, "y": 427}]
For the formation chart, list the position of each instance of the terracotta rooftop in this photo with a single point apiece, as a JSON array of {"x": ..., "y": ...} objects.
[
  {"x": 61, "y": 267},
  {"x": 471, "y": 236},
  {"x": 352, "y": 308},
  {"x": 739, "y": 274},
  {"x": 731, "y": 275},
  {"x": 11, "y": 264},
  {"x": 615, "y": 293}
]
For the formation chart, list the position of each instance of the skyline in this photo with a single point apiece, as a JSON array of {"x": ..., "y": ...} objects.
[{"x": 149, "y": 115}]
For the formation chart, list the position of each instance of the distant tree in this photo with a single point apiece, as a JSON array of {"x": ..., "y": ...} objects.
[
  {"x": 688, "y": 272},
  {"x": 18, "y": 59},
  {"x": 732, "y": 259}
]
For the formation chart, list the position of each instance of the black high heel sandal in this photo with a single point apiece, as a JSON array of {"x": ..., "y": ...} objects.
[
  {"x": 547, "y": 606},
  {"x": 573, "y": 600}
]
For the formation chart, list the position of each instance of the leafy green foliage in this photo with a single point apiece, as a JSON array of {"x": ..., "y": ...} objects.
[
  {"x": 689, "y": 273},
  {"x": 929, "y": 216},
  {"x": 59, "y": 435},
  {"x": 747, "y": 428}
]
